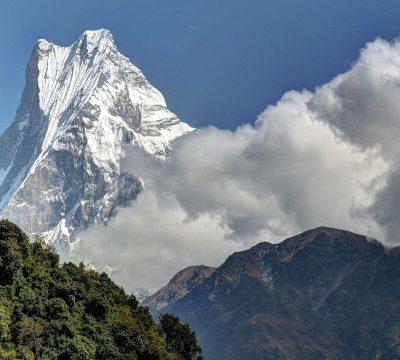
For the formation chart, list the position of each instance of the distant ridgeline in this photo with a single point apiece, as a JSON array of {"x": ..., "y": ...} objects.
[
  {"x": 324, "y": 294},
  {"x": 53, "y": 311}
]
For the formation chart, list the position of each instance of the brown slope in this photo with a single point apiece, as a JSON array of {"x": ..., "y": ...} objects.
[
  {"x": 183, "y": 282},
  {"x": 324, "y": 294}
]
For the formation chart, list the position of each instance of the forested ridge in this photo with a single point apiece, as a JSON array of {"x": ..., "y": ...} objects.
[{"x": 54, "y": 311}]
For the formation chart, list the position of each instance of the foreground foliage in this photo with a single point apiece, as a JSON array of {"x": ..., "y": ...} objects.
[
  {"x": 180, "y": 338},
  {"x": 48, "y": 311}
]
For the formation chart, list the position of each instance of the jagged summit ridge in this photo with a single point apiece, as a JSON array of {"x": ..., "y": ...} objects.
[
  {"x": 81, "y": 108},
  {"x": 88, "y": 41}
]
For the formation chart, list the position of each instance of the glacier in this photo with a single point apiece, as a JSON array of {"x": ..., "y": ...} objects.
[{"x": 82, "y": 108}]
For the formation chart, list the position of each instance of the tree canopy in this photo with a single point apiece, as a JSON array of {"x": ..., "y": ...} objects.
[{"x": 52, "y": 311}]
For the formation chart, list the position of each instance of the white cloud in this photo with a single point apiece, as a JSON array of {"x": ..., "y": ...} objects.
[
  {"x": 363, "y": 107},
  {"x": 150, "y": 241},
  {"x": 323, "y": 158}
]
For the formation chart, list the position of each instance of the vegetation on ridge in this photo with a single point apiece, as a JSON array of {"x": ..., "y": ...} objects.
[{"x": 53, "y": 311}]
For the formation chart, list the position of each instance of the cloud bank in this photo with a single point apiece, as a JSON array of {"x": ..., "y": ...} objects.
[{"x": 328, "y": 157}]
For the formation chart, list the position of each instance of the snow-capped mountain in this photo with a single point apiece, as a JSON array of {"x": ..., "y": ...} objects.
[{"x": 81, "y": 108}]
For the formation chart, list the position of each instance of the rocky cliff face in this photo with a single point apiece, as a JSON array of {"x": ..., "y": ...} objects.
[
  {"x": 324, "y": 294},
  {"x": 81, "y": 108}
]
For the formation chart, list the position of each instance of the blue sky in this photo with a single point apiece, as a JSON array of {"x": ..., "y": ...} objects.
[{"x": 217, "y": 62}]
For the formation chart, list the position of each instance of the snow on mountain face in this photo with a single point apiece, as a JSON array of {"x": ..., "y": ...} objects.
[
  {"x": 81, "y": 108},
  {"x": 142, "y": 294}
]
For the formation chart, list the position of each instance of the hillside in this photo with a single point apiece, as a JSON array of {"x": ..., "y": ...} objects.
[
  {"x": 179, "y": 286},
  {"x": 48, "y": 311},
  {"x": 324, "y": 294}
]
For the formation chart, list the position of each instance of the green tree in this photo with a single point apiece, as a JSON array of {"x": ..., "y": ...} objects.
[
  {"x": 180, "y": 338},
  {"x": 5, "y": 322},
  {"x": 30, "y": 333},
  {"x": 79, "y": 348},
  {"x": 50, "y": 311}
]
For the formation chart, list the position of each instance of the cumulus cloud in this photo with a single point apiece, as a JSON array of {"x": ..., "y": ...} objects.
[
  {"x": 148, "y": 243},
  {"x": 363, "y": 104},
  {"x": 327, "y": 157},
  {"x": 362, "y": 107}
]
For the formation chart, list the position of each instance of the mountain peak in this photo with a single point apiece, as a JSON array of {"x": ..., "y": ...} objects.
[
  {"x": 82, "y": 107},
  {"x": 96, "y": 35},
  {"x": 94, "y": 39},
  {"x": 319, "y": 294},
  {"x": 43, "y": 43},
  {"x": 180, "y": 285},
  {"x": 88, "y": 40},
  {"x": 323, "y": 240}
]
